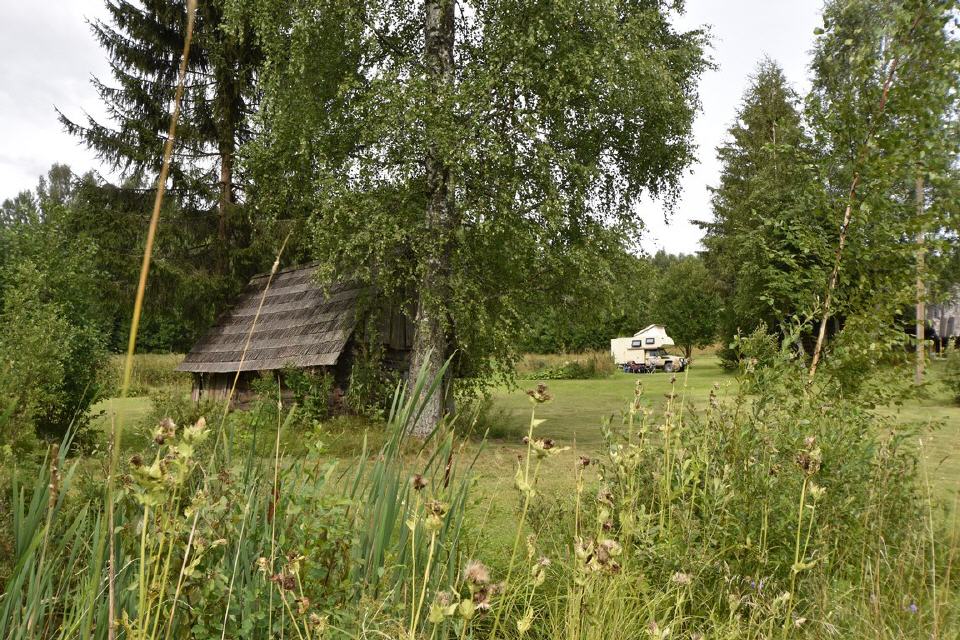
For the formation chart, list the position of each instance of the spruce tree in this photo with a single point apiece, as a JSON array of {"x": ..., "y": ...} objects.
[
  {"x": 766, "y": 244},
  {"x": 143, "y": 41}
]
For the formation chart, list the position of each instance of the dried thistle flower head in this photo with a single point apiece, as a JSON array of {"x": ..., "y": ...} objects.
[
  {"x": 418, "y": 482},
  {"x": 681, "y": 578},
  {"x": 476, "y": 573},
  {"x": 543, "y": 447},
  {"x": 810, "y": 461},
  {"x": 166, "y": 430},
  {"x": 303, "y": 604},
  {"x": 540, "y": 394},
  {"x": 286, "y": 581},
  {"x": 583, "y": 462}
]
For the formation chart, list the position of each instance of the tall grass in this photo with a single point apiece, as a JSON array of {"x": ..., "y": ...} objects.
[
  {"x": 151, "y": 372},
  {"x": 249, "y": 548},
  {"x": 555, "y": 366}
]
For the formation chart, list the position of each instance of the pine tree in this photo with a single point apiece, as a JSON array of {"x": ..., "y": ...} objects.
[{"x": 143, "y": 41}]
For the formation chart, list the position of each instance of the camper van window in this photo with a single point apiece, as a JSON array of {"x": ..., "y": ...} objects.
[
  {"x": 651, "y": 340},
  {"x": 636, "y": 343}
]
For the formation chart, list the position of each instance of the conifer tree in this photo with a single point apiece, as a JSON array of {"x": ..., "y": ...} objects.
[
  {"x": 766, "y": 244},
  {"x": 143, "y": 41}
]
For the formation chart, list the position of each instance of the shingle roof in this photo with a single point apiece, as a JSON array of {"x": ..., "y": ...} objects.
[{"x": 301, "y": 324}]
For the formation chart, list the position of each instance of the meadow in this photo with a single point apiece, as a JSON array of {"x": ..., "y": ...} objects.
[{"x": 705, "y": 504}]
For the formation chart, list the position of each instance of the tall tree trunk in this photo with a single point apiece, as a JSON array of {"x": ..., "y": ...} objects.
[
  {"x": 224, "y": 204},
  {"x": 430, "y": 326},
  {"x": 921, "y": 292}
]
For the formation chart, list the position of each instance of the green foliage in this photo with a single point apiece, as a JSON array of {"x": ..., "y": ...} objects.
[
  {"x": 312, "y": 391},
  {"x": 151, "y": 372},
  {"x": 768, "y": 243},
  {"x": 549, "y": 137},
  {"x": 372, "y": 383},
  {"x": 687, "y": 304},
  {"x": 54, "y": 343},
  {"x": 587, "y": 365},
  {"x": 951, "y": 376}
]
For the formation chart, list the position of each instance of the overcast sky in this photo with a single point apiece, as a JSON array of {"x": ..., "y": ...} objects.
[{"x": 49, "y": 56}]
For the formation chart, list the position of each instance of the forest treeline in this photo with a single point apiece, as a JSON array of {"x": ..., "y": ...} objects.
[{"x": 491, "y": 163}]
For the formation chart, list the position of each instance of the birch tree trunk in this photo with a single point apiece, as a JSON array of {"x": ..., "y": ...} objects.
[
  {"x": 921, "y": 290},
  {"x": 430, "y": 344}
]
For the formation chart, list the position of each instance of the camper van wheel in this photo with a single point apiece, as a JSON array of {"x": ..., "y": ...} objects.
[{"x": 668, "y": 367}]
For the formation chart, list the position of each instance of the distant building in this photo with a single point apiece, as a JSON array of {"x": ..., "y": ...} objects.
[
  {"x": 301, "y": 324},
  {"x": 945, "y": 317}
]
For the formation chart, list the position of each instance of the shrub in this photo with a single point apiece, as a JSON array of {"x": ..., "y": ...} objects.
[
  {"x": 312, "y": 391},
  {"x": 50, "y": 363},
  {"x": 951, "y": 376},
  {"x": 478, "y": 416}
]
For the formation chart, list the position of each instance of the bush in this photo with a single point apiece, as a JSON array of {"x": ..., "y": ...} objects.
[
  {"x": 951, "y": 376},
  {"x": 51, "y": 363},
  {"x": 478, "y": 417},
  {"x": 312, "y": 391}
]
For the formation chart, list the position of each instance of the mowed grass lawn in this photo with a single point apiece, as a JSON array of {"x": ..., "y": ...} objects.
[
  {"x": 578, "y": 406},
  {"x": 574, "y": 415}
]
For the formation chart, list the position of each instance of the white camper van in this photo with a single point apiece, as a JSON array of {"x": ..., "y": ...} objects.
[{"x": 646, "y": 350}]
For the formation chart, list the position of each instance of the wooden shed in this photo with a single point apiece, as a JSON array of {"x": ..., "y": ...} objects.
[{"x": 302, "y": 324}]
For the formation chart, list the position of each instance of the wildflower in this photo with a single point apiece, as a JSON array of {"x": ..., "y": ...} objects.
[
  {"x": 481, "y": 598},
  {"x": 285, "y": 581},
  {"x": 605, "y": 496},
  {"x": 583, "y": 462},
  {"x": 319, "y": 624},
  {"x": 816, "y": 491},
  {"x": 262, "y": 564},
  {"x": 166, "y": 430},
  {"x": 540, "y": 394},
  {"x": 435, "y": 512},
  {"x": 418, "y": 482},
  {"x": 524, "y": 623},
  {"x": 467, "y": 609},
  {"x": 546, "y": 447},
  {"x": 608, "y": 549},
  {"x": 913, "y": 608},
  {"x": 303, "y": 604},
  {"x": 136, "y": 460},
  {"x": 476, "y": 573},
  {"x": 809, "y": 461},
  {"x": 656, "y": 632},
  {"x": 681, "y": 578},
  {"x": 539, "y": 571}
]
